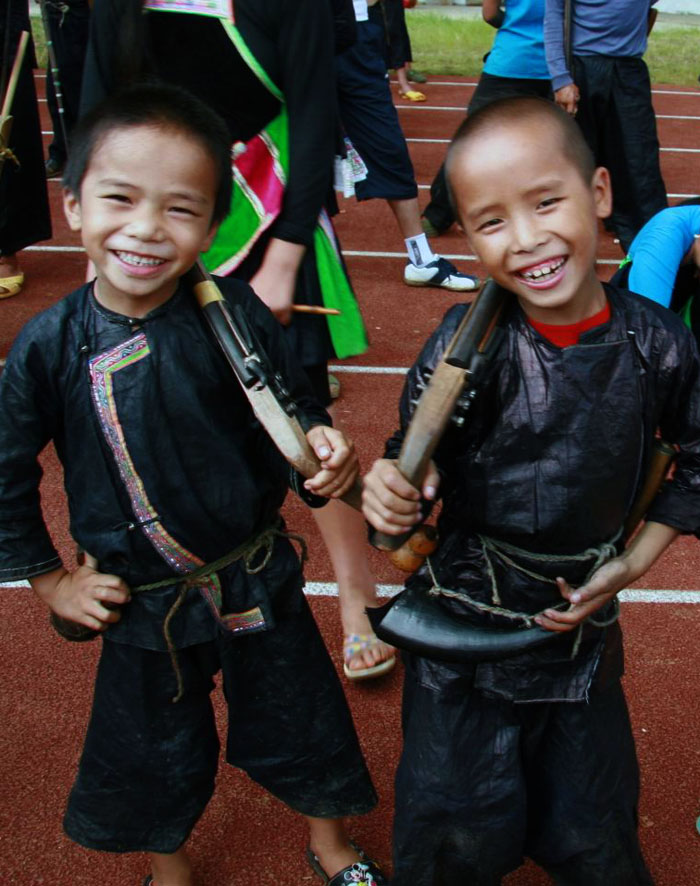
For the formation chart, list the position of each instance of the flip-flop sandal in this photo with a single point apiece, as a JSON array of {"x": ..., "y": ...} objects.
[
  {"x": 356, "y": 643},
  {"x": 412, "y": 95},
  {"x": 10, "y": 286},
  {"x": 364, "y": 872}
]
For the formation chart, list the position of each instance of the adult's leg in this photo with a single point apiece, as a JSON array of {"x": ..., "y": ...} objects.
[
  {"x": 632, "y": 150},
  {"x": 69, "y": 26},
  {"x": 439, "y": 212}
]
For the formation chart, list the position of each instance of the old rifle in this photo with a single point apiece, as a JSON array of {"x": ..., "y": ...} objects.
[
  {"x": 460, "y": 370},
  {"x": 265, "y": 389},
  {"x": 8, "y": 99}
]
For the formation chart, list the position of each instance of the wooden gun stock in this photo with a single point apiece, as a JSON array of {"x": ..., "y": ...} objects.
[
  {"x": 471, "y": 347},
  {"x": 662, "y": 456}
]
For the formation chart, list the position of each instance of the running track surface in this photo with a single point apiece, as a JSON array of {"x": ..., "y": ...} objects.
[{"x": 246, "y": 836}]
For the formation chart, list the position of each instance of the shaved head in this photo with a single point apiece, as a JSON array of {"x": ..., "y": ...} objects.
[{"x": 515, "y": 114}]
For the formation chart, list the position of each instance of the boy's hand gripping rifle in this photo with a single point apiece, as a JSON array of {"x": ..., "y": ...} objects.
[
  {"x": 262, "y": 385},
  {"x": 461, "y": 369}
]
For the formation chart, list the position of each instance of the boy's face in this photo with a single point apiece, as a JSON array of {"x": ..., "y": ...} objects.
[
  {"x": 144, "y": 213},
  {"x": 532, "y": 219}
]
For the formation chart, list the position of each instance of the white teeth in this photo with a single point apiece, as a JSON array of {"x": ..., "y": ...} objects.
[
  {"x": 544, "y": 270},
  {"x": 140, "y": 261}
]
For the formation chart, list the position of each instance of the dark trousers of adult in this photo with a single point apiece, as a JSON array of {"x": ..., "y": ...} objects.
[
  {"x": 617, "y": 120},
  {"x": 69, "y": 24},
  {"x": 483, "y": 781},
  {"x": 489, "y": 88},
  {"x": 24, "y": 202}
]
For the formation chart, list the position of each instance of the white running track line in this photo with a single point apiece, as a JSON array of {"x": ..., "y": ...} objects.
[
  {"x": 354, "y": 253},
  {"x": 470, "y": 83},
  {"x": 330, "y": 589},
  {"x": 446, "y": 141}
]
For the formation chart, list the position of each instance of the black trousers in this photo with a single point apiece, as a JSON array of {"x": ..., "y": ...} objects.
[
  {"x": 617, "y": 120},
  {"x": 489, "y": 88},
  {"x": 148, "y": 766},
  {"x": 24, "y": 202},
  {"x": 483, "y": 782},
  {"x": 69, "y": 24}
]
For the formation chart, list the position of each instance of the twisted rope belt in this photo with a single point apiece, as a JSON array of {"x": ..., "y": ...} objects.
[
  {"x": 506, "y": 553},
  {"x": 248, "y": 552}
]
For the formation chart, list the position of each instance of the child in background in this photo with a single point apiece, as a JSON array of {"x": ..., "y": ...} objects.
[
  {"x": 533, "y": 754},
  {"x": 174, "y": 489}
]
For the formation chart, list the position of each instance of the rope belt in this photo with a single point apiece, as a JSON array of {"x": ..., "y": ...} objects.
[
  {"x": 506, "y": 553},
  {"x": 248, "y": 552}
]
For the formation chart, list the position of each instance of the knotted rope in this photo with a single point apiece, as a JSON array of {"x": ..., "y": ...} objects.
[
  {"x": 248, "y": 551},
  {"x": 506, "y": 553}
]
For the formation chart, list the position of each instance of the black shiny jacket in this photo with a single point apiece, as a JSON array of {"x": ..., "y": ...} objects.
[
  {"x": 163, "y": 458},
  {"x": 555, "y": 448}
]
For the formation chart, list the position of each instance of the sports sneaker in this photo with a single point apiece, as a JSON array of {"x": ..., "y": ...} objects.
[
  {"x": 440, "y": 273},
  {"x": 417, "y": 77}
]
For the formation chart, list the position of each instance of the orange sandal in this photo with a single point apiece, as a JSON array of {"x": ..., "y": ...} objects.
[{"x": 412, "y": 95}]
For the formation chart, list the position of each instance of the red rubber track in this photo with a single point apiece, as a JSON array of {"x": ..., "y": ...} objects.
[{"x": 246, "y": 836}]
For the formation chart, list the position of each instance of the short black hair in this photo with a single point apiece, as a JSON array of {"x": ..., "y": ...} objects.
[
  {"x": 157, "y": 105},
  {"x": 520, "y": 108}
]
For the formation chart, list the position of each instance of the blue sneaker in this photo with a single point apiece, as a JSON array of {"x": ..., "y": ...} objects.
[{"x": 440, "y": 273}]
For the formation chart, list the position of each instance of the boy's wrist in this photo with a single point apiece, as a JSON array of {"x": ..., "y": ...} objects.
[{"x": 47, "y": 585}]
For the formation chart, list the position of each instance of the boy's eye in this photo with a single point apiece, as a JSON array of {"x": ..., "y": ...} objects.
[
  {"x": 182, "y": 210},
  {"x": 489, "y": 224},
  {"x": 548, "y": 202},
  {"x": 119, "y": 198}
]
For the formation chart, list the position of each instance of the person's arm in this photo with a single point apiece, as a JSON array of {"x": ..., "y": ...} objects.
[
  {"x": 659, "y": 249},
  {"x": 305, "y": 46},
  {"x": 618, "y": 573},
  {"x": 566, "y": 93},
  {"x": 492, "y": 13}
]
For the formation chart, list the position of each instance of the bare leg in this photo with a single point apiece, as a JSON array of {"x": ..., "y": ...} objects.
[
  {"x": 9, "y": 266},
  {"x": 174, "y": 869},
  {"x": 407, "y": 215},
  {"x": 329, "y": 842},
  {"x": 402, "y": 77},
  {"x": 344, "y": 534}
]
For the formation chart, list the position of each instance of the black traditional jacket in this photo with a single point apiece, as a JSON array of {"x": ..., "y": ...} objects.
[
  {"x": 553, "y": 453},
  {"x": 166, "y": 467}
]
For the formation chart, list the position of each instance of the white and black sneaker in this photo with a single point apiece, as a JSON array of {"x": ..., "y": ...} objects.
[{"x": 440, "y": 273}]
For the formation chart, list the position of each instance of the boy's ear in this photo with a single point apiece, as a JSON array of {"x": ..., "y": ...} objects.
[
  {"x": 213, "y": 230},
  {"x": 71, "y": 208},
  {"x": 602, "y": 192}
]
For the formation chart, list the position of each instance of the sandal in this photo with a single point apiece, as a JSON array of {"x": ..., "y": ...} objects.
[
  {"x": 10, "y": 286},
  {"x": 364, "y": 872},
  {"x": 412, "y": 95},
  {"x": 356, "y": 643}
]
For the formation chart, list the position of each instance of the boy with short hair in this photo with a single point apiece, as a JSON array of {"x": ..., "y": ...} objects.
[
  {"x": 174, "y": 489},
  {"x": 533, "y": 755}
]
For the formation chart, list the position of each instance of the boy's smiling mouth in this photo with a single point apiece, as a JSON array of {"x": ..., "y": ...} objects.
[
  {"x": 137, "y": 260},
  {"x": 544, "y": 274}
]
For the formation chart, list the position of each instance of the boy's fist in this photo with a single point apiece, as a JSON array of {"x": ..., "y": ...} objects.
[
  {"x": 389, "y": 502},
  {"x": 339, "y": 463},
  {"x": 86, "y": 596}
]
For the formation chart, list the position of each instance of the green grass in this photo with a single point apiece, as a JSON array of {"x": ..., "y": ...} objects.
[{"x": 444, "y": 45}]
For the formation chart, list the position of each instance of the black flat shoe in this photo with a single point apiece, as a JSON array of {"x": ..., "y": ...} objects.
[{"x": 364, "y": 872}]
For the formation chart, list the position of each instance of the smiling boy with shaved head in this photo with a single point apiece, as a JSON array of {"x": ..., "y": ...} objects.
[{"x": 533, "y": 754}]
